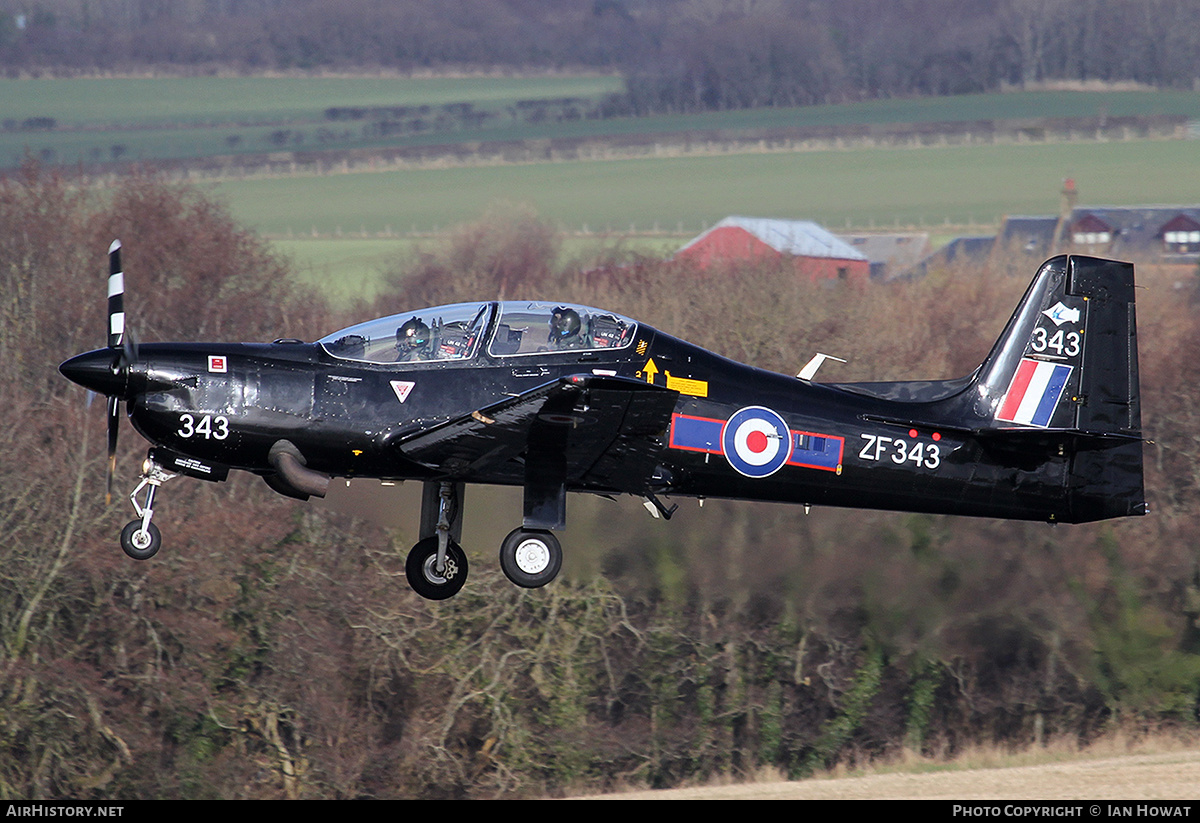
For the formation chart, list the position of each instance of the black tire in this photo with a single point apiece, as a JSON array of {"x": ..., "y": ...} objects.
[
  {"x": 139, "y": 544},
  {"x": 530, "y": 558},
  {"x": 425, "y": 580}
]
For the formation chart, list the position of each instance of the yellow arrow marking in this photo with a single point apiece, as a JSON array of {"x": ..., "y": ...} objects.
[{"x": 650, "y": 370}]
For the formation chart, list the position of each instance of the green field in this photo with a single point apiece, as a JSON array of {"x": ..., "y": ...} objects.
[
  {"x": 858, "y": 188},
  {"x": 146, "y": 119},
  {"x": 943, "y": 190},
  {"x": 169, "y": 101},
  {"x": 183, "y": 117}
]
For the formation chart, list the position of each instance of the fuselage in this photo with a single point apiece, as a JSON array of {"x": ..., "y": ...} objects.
[{"x": 737, "y": 431}]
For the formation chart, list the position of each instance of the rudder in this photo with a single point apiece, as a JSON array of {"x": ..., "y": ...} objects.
[
  {"x": 1068, "y": 357},
  {"x": 1065, "y": 373}
]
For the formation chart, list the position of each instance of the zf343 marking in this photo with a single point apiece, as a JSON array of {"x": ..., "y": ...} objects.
[{"x": 901, "y": 451}]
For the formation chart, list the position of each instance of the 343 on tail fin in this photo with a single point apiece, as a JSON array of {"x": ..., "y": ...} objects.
[{"x": 1064, "y": 374}]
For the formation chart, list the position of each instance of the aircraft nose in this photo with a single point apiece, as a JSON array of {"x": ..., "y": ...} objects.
[{"x": 94, "y": 370}]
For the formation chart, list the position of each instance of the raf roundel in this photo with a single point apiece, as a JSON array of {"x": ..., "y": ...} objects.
[{"x": 756, "y": 441}]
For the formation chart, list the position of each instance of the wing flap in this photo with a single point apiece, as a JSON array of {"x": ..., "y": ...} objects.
[{"x": 608, "y": 427}]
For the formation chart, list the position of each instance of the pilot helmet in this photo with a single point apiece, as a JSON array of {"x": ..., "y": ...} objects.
[
  {"x": 413, "y": 334},
  {"x": 564, "y": 323}
]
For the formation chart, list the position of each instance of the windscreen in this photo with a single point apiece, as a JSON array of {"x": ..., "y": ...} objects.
[{"x": 441, "y": 333}]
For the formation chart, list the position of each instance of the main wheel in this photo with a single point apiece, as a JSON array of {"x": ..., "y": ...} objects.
[
  {"x": 139, "y": 543},
  {"x": 530, "y": 558},
  {"x": 423, "y": 576}
]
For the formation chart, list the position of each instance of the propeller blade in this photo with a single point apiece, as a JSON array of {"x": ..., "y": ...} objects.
[
  {"x": 121, "y": 342},
  {"x": 114, "y": 427},
  {"x": 116, "y": 297}
]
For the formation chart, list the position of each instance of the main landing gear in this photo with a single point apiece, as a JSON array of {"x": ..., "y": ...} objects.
[
  {"x": 437, "y": 566},
  {"x": 141, "y": 539},
  {"x": 530, "y": 558}
]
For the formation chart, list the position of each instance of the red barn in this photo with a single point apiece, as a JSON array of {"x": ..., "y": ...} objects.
[{"x": 818, "y": 254}]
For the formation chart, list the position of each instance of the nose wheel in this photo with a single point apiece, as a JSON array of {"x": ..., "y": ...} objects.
[
  {"x": 141, "y": 539},
  {"x": 141, "y": 542}
]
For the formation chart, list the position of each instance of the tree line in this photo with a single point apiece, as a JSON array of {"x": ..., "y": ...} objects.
[
  {"x": 273, "y": 649},
  {"x": 676, "y": 55}
]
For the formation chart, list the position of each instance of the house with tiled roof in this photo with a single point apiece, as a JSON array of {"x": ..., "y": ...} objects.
[
  {"x": 1034, "y": 235},
  {"x": 1148, "y": 234},
  {"x": 1143, "y": 234}
]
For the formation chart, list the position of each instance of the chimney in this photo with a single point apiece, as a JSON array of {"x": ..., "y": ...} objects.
[{"x": 1069, "y": 197}]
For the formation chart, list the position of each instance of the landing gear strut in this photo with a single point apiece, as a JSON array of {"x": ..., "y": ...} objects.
[{"x": 141, "y": 539}]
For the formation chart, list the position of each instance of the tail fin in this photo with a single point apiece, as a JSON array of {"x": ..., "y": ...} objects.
[{"x": 1065, "y": 372}]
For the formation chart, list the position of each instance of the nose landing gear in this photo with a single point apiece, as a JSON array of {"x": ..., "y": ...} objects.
[{"x": 141, "y": 539}]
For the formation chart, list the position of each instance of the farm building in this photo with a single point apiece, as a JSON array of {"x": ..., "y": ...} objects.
[
  {"x": 1032, "y": 235},
  {"x": 973, "y": 250},
  {"x": 890, "y": 255},
  {"x": 817, "y": 253}
]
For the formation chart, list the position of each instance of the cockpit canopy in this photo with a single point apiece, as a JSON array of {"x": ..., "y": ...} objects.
[{"x": 456, "y": 332}]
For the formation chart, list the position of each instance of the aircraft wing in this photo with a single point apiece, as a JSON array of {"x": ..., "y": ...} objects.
[{"x": 610, "y": 430}]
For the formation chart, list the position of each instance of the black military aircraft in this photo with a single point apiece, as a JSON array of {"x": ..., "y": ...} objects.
[{"x": 554, "y": 397}]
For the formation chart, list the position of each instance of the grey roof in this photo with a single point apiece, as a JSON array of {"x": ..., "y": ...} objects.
[
  {"x": 802, "y": 238},
  {"x": 961, "y": 250},
  {"x": 1031, "y": 234},
  {"x": 891, "y": 254}
]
